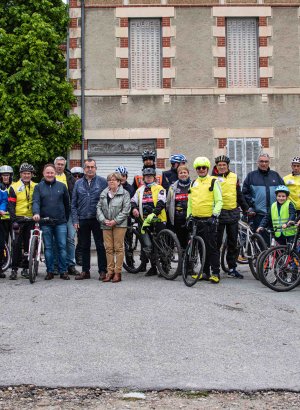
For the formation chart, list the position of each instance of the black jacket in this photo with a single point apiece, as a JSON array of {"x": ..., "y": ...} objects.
[
  {"x": 70, "y": 181},
  {"x": 169, "y": 177}
]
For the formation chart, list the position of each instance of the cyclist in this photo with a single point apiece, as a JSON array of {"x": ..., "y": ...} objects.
[
  {"x": 292, "y": 181},
  {"x": 205, "y": 204},
  {"x": 6, "y": 176},
  {"x": 148, "y": 157},
  {"x": 281, "y": 213},
  {"x": 3, "y": 208},
  {"x": 78, "y": 173},
  {"x": 230, "y": 214},
  {"x": 20, "y": 206},
  {"x": 170, "y": 176},
  {"x": 177, "y": 205},
  {"x": 123, "y": 171},
  {"x": 148, "y": 202}
]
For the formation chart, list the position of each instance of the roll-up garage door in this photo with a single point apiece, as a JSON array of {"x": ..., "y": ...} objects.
[{"x": 108, "y": 163}]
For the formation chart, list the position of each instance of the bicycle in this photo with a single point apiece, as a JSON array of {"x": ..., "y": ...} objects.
[
  {"x": 6, "y": 258},
  {"x": 250, "y": 247},
  {"x": 279, "y": 266},
  {"x": 194, "y": 256},
  {"x": 165, "y": 250},
  {"x": 134, "y": 257}
]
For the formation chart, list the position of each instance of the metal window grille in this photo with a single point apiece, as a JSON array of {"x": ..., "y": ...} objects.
[
  {"x": 243, "y": 154},
  {"x": 145, "y": 53},
  {"x": 242, "y": 52}
]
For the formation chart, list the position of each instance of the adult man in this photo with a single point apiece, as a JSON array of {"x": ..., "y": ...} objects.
[
  {"x": 205, "y": 204},
  {"x": 230, "y": 214},
  {"x": 85, "y": 198},
  {"x": 20, "y": 206},
  {"x": 170, "y": 176},
  {"x": 64, "y": 175},
  {"x": 6, "y": 176},
  {"x": 148, "y": 157},
  {"x": 51, "y": 199},
  {"x": 292, "y": 181},
  {"x": 259, "y": 189},
  {"x": 78, "y": 173}
]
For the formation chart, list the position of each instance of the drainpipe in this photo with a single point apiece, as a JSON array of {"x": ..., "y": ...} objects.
[{"x": 82, "y": 81}]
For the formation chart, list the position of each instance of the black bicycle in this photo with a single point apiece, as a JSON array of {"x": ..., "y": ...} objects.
[
  {"x": 6, "y": 257},
  {"x": 134, "y": 256}
]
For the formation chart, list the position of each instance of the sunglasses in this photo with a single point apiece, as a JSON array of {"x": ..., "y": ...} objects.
[
  {"x": 201, "y": 168},
  {"x": 77, "y": 175}
]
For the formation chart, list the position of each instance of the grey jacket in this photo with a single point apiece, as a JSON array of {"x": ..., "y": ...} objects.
[{"x": 117, "y": 209}]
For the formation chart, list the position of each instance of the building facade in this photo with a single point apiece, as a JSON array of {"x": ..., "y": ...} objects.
[{"x": 186, "y": 76}]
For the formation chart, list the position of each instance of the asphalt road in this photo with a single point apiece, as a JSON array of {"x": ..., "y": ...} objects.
[{"x": 149, "y": 333}]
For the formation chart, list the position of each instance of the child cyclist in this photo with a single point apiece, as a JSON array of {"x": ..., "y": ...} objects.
[{"x": 280, "y": 216}]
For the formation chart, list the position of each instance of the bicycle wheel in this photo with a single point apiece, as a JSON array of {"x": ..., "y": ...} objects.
[
  {"x": 279, "y": 269},
  {"x": 133, "y": 259},
  {"x": 33, "y": 262},
  {"x": 6, "y": 258},
  {"x": 168, "y": 250},
  {"x": 258, "y": 246},
  {"x": 193, "y": 261},
  {"x": 224, "y": 264}
]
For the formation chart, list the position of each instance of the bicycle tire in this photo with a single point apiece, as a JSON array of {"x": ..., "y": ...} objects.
[
  {"x": 279, "y": 269},
  {"x": 193, "y": 261},
  {"x": 33, "y": 262},
  {"x": 133, "y": 258},
  {"x": 169, "y": 254},
  {"x": 224, "y": 265},
  {"x": 241, "y": 259},
  {"x": 6, "y": 258},
  {"x": 259, "y": 245}
]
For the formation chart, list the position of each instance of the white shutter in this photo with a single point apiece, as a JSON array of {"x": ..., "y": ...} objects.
[
  {"x": 243, "y": 154},
  {"x": 108, "y": 163},
  {"x": 242, "y": 52},
  {"x": 145, "y": 53}
]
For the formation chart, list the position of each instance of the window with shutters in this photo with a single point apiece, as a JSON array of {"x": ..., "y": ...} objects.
[
  {"x": 243, "y": 154},
  {"x": 242, "y": 52},
  {"x": 145, "y": 50}
]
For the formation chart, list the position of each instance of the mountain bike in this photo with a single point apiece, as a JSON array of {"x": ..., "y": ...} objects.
[
  {"x": 134, "y": 257},
  {"x": 194, "y": 256},
  {"x": 6, "y": 258}
]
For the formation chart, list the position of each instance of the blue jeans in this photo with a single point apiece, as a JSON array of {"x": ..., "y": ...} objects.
[
  {"x": 70, "y": 245},
  {"x": 55, "y": 236}
]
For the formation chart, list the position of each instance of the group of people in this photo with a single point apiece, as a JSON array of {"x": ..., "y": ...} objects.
[{"x": 80, "y": 201}]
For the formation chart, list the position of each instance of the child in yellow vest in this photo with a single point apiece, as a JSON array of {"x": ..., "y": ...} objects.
[{"x": 281, "y": 213}]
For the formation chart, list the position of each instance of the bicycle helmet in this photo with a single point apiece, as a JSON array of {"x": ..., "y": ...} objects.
[
  {"x": 25, "y": 167},
  {"x": 201, "y": 162},
  {"x": 148, "y": 154},
  {"x": 6, "y": 169},
  {"x": 282, "y": 188},
  {"x": 149, "y": 171},
  {"x": 177, "y": 158},
  {"x": 296, "y": 160},
  {"x": 77, "y": 170},
  {"x": 122, "y": 170},
  {"x": 222, "y": 158}
]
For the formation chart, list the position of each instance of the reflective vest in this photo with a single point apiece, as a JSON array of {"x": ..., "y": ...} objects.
[
  {"x": 228, "y": 185},
  {"x": 293, "y": 184},
  {"x": 139, "y": 180},
  {"x": 155, "y": 189},
  {"x": 202, "y": 198},
  {"x": 279, "y": 219},
  {"x": 23, "y": 198}
]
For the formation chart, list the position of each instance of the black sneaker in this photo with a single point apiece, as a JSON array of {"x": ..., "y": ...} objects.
[
  {"x": 24, "y": 273},
  {"x": 151, "y": 272},
  {"x": 72, "y": 270},
  {"x": 2, "y": 275},
  {"x": 13, "y": 275},
  {"x": 233, "y": 273}
]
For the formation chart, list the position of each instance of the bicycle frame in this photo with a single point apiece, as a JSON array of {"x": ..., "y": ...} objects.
[{"x": 37, "y": 232}]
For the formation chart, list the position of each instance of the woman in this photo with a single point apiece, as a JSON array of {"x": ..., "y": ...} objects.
[
  {"x": 177, "y": 204},
  {"x": 112, "y": 212}
]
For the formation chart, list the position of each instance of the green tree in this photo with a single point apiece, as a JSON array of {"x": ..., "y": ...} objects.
[{"x": 35, "y": 95}]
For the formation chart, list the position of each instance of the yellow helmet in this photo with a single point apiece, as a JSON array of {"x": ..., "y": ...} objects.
[{"x": 201, "y": 162}]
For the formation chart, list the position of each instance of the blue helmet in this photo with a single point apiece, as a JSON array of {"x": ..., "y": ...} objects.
[
  {"x": 282, "y": 188},
  {"x": 177, "y": 158},
  {"x": 122, "y": 170}
]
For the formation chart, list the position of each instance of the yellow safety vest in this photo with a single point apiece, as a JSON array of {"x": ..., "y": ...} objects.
[
  {"x": 293, "y": 184},
  {"x": 228, "y": 185},
  {"x": 279, "y": 219},
  {"x": 155, "y": 189},
  {"x": 23, "y": 198},
  {"x": 62, "y": 178},
  {"x": 202, "y": 198}
]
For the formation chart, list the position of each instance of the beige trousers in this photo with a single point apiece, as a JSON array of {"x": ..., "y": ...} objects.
[{"x": 114, "y": 246}]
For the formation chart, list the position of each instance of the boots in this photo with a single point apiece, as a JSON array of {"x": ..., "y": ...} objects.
[
  {"x": 83, "y": 275},
  {"x": 108, "y": 277},
  {"x": 117, "y": 278}
]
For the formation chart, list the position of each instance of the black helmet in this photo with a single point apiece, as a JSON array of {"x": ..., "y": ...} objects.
[
  {"x": 148, "y": 154},
  {"x": 25, "y": 167},
  {"x": 222, "y": 158},
  {"x": 149, "y": 171}
]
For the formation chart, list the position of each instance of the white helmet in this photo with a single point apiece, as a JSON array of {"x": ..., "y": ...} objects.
[
  {"x": 296, "y": 160},
  {"x": 77, "y": 170},
  {"x": 6, "y": 169}
]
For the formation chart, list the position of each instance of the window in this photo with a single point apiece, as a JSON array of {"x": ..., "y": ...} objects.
[
  {"x": 242, "y": 52},
  {"x": 145, "y": 53},
  {"x": 243, "y": 154}
]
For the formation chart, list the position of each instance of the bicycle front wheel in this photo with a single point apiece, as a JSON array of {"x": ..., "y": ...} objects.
[
  {"x": 33, "y": 261},
  {"x": 168, "y": 250},
  {"x": 279, "y": 269},
  {"x": 257, "y": 246},
  {"x": 133, "y": 258},
  {"x": 5, "y": 258},
  {"x": 193, "y": 261}
]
